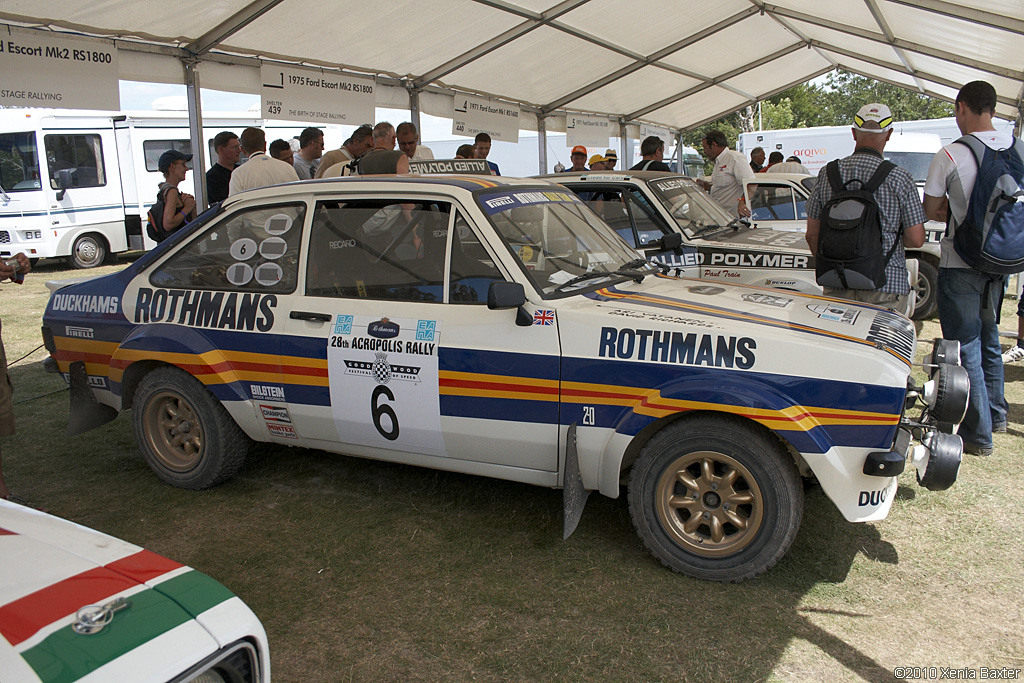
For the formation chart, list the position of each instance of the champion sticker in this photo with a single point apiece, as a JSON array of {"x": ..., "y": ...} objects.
[
  {"x": 272, "y": 413},
  {"x": 767, "y": 299}
]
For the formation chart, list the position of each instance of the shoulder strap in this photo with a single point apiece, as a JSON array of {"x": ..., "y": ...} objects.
[
  {"x": 879, "y": 176},
  {"x": 834, "y": 178},
  {"x": 647, "y": 164},
  {"x": 976, "y": 146}
]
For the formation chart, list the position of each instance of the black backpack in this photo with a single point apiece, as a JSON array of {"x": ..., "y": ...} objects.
[
  {"x": 155, "y": 218},
  {"x": 850, "y": 243},
  {"x": 991, "y": 238}
]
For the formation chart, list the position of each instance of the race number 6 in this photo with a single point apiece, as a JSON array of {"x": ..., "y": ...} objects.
[{"x": 384, "y": 409}]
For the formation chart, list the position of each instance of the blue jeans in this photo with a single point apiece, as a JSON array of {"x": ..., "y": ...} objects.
[{"x": 966, "y": 315}]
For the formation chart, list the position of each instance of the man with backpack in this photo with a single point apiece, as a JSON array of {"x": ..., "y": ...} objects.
[
  {"x": 861, "y": 214},
  {"x": 974, "y": 186}
]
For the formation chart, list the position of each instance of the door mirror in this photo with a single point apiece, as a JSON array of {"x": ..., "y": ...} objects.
[
  {"x": 63, "y": 182},
  {"x": 503, "y": 295},
  {"x": 669, "y": 242}
]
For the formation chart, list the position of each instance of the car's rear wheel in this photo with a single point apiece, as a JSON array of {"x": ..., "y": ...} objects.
[
  {"x": 184, "y": 432},
  {"x": 88, "y": 251},
  {"x": 715, "y": 498},
  {"x": 926, "y": 290}
]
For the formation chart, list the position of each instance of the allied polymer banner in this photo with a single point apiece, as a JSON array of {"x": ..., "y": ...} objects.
[
  {"x": 40, "y": 69},
  {"x": 303, "y": 94}
]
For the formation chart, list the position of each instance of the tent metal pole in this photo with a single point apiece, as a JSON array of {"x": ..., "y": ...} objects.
[
  {"x": 414, "y": 111},
  {"x": 542, "y": 144},
  {"x": 625, "y": 149},
  {"x": 195, "y": 129}
]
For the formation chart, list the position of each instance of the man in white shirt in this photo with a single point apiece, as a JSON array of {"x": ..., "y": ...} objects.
[
  {"x": 731, "y": 171},
  {"x": 408, "y": 142},
  {"x": 969, "y": 299},
  {"x": 260, "y": 170}
]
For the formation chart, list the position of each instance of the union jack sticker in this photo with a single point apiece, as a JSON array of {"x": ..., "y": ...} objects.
[{"x": 543, "y": 316}]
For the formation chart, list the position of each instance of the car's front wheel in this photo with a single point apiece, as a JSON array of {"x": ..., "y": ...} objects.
[
  {"x": 926, "y": 290},
  {"x": 715, "y": 498},
  {"x": 184, "y": 432}
]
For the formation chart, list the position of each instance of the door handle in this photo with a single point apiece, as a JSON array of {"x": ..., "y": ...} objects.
[{"x": 306, "y": 315}]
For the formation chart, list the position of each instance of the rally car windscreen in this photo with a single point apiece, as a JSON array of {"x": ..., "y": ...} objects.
[
  {"x": 689, "y": 205},
  {"x": 561, "y": 244}
]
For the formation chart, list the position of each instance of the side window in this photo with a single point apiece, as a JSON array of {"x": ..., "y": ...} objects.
[
  {"x": 75, "y": 160},
  {"x": 378, "y": 249},
  {"x": 649, "y": 225},
  {"x": 253, "y": 250},
  {"x": 609, "y": 204},
  {"x": 152, "y": 149},
  {"x": 773, "y": 203},
  {"x": 472, "y": 266}
]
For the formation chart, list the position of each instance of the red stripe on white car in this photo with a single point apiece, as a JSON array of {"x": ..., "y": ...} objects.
[{"x": 22, "y": 618}]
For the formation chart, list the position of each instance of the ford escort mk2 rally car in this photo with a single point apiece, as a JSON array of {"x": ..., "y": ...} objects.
[
  {"x": 645, "y": 206},
  {"x": 80, "y": 606},
  {"x": 498, "y": 327}
]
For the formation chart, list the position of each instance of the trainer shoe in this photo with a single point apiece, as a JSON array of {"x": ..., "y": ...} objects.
[
  {"x": 974, "y": 449},
  {"x": 1013, "y": 354}
]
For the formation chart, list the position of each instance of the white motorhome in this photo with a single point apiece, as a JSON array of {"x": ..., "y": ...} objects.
[
  {"x": 78, "y": 184},
  {"x": 819, "y": 145}
]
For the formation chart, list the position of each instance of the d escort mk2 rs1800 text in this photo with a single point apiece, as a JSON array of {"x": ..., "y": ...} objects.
[{"x": 498, "y": 327}]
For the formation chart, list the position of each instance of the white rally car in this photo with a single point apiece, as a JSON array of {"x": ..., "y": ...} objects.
[
  {"x": 498, "y": 327},
  {"x": 80, "y": 606},
  {"x": 645, "y": 206}
]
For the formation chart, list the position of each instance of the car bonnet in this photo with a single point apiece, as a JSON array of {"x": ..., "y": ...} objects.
[
  {"x": 835, "y": 324},
  {"x": 50, "y": 569}
]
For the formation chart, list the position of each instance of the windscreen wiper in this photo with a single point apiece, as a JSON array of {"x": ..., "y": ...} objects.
[{"x": 627, "y": 270}]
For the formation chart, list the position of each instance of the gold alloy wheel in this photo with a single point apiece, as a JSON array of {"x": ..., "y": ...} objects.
[
  {"x": 174, "y": 432},
  {"x": 709, "y": 503}
]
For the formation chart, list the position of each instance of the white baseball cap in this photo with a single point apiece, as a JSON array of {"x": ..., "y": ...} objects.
[{"x": 878, "y": 114}]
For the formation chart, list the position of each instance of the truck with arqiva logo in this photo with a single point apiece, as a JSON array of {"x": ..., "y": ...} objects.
[{"x": 498, "y": 327}]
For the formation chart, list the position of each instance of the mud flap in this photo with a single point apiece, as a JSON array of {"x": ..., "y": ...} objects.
[
  {"x": 574, "y": 496},
  {"x": 86, "y": 412}
]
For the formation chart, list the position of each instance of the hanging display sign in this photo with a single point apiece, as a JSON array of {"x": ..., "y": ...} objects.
[
  {"x": 303, "y": 94},
  {"x": 589, "y": 131},
  {"x": 39, "y": 69},
  {"x": 647, "y": 130},
  {"x": 472, "y": 115}
]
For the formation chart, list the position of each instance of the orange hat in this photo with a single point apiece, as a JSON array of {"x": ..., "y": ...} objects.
[{"x": 579, "y": 149}]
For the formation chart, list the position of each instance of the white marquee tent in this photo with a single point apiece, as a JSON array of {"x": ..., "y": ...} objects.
[{"x": 673, "y": 63}]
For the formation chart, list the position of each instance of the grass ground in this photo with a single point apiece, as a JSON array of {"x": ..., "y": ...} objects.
[{"x": 368, "y": 571}]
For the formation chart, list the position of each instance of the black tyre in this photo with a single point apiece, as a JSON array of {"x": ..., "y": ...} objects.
[
  {"x": 88, "y": 251},
  {"x": 715, "y": 498},
  {"x": 926, "y": 290},
  {"x": 185, "y": 434}
]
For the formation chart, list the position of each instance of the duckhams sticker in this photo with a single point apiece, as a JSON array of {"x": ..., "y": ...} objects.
[{"x": 384, "y": 382}]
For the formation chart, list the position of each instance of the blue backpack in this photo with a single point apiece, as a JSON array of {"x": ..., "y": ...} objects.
[{"x": 991, "y": 237}]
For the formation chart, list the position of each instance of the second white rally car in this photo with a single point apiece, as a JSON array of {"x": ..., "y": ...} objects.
[
  {"x": 643, "y": 207},
  {"x": 498, "y": 327}
]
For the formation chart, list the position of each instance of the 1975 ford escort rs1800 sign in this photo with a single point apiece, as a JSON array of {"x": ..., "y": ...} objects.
[
  {"x": 498, "y": 327},
  {"x": 78, "y": 606}
]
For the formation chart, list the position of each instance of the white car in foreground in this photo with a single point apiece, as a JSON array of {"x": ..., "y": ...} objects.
[
  {"x": 498, "y": 327},
  {"x": 77, "y": 605}
]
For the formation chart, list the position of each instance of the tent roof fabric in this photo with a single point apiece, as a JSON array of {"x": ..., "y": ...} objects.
[{"x": 673, "y": 63}]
